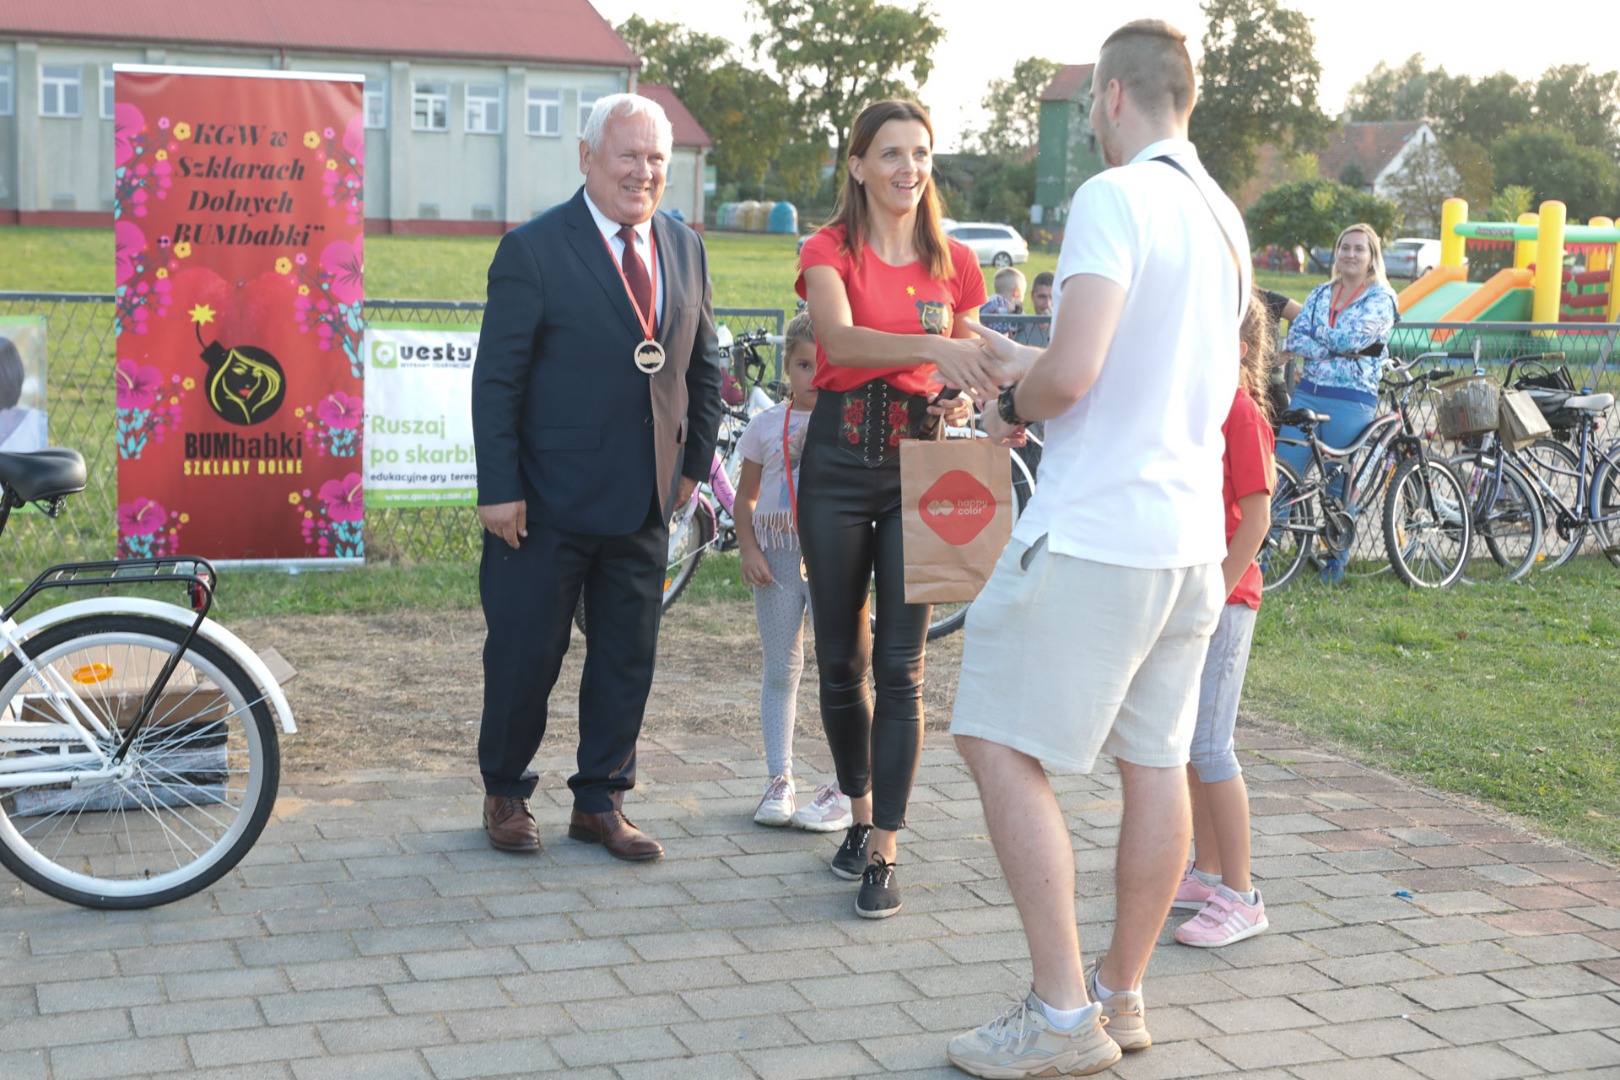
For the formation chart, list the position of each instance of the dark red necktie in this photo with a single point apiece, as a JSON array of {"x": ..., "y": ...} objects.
[{"x": 635, "y": 272}]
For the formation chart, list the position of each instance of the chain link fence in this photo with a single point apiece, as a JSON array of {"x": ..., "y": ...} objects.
[{"x": 80, "y": 398}]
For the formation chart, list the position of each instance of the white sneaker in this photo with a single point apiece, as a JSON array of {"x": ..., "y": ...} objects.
[
  {"x": 776, "y": 806},
  {"x": 827, "y": 812}
]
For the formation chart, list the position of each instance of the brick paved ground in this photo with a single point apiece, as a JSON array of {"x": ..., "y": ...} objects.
[{"x": 373, "y": 933}]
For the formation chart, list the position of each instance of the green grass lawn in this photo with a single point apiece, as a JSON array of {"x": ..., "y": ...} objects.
[{"x": 1504, "y": 693}]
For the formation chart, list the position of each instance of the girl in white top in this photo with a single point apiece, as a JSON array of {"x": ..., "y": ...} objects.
[{"x": 768, "y": 541}]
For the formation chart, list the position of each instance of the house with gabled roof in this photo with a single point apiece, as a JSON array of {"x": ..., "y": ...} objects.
[{"x": 473, "y": 108}]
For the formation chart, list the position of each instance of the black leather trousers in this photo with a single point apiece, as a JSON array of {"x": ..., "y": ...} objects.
[{"x": 849, "y": 530}]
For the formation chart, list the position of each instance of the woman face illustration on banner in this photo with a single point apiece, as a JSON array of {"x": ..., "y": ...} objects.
[{"x": 245, "y": 384}]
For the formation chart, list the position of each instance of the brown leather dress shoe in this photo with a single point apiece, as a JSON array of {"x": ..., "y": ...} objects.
[
  {"x": 615, "y": 832},
  {"x": 509, "y": 824}
]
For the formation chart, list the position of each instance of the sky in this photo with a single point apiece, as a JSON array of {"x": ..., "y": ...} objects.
[{"x": 984, "y": 38}]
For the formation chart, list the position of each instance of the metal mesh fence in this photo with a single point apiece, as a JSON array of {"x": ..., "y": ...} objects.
[{"x": 80, "y": 401}]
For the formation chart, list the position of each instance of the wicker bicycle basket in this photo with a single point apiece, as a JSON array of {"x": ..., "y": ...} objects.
[{"x": 1469, "y": 405}]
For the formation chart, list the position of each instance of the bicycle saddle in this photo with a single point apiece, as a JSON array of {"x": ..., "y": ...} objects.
[
  {"x": 1589, "y": 402},
  {"x": 43, "y": 474},
  {"x": 1302, "y": 417}
]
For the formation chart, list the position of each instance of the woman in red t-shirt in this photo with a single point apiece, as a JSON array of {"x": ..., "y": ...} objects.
[{"x": 887, "y": 294}]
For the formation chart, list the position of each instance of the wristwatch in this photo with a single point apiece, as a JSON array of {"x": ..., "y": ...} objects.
[{"x": 1006, "y": 407}]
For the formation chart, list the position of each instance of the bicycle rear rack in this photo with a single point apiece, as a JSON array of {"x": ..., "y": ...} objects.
[{"x": 196, "y": 574}]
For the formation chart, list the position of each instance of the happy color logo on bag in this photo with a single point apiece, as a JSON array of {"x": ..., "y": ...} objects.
[{"x": 957, "y": 507}]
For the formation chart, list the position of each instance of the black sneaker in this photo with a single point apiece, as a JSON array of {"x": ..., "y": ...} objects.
[
  {"x": 880, "y": 891},
  {"x": 851, "y": 857}
]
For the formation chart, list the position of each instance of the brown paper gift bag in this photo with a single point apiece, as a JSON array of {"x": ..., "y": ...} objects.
[
  {"x": 1521, "y": 420},
  {"x": 956, "y": 514}
]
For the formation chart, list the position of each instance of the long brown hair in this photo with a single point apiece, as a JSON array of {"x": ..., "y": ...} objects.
[
  {"x": 933, "y": 250},
  {"x": 1254, "y": 370}
]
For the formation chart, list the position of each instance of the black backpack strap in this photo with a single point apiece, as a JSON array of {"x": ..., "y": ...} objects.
[{"x": 1231, "y": 248}]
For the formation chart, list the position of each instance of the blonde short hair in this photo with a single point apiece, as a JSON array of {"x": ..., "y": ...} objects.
[{"x": 798, "y": 332}]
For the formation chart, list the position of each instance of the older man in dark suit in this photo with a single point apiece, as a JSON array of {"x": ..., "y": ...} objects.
[{"x": 595, "y": 406}]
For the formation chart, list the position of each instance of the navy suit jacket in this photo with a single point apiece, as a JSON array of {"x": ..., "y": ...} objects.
[{"x": 562, "y": 417}]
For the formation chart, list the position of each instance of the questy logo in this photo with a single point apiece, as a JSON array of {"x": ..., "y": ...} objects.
[
  {"x": 384, "y": 354},
  {"x": 957, "y": 507},
  {"x": 245, "y": 384}
]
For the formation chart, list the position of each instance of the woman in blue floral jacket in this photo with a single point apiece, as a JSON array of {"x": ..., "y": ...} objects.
[{"x": 1354, "y": 309}]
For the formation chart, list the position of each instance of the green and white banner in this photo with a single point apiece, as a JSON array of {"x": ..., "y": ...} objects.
[{"x": 418, "y": 432}]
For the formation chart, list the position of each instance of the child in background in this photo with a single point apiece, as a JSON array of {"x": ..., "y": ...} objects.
[
  {"x": 768, "y": 541},
  {"x": 1217, "y": 883},
  {"x": 1008, "y": 299}
]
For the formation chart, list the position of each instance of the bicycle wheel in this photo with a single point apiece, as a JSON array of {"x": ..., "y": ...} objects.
[
  {"x": 194, "y": 790},
  {"x": 1606, "y": 509},
  {"x": 689, "y": 537},
  {"x": 1555, "y": 471},
  {"x": 1506, "y": 513},
  {"x": 1293, "y": 530},
  {"x": 1426, "y": 527}
]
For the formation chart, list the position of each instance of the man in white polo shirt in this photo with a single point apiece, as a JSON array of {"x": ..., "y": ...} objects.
[{"x": 1090, "y": 636}]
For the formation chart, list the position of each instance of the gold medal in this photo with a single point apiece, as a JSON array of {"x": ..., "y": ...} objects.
[{"x": 650, "y": 357}]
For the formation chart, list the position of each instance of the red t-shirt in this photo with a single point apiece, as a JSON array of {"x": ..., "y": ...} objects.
[
  {"x": 1247, "y": 468},
  {"x": 894, "y": 299}
]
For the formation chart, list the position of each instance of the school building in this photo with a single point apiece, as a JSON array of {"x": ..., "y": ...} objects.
[{"x": 473, "y": 111}]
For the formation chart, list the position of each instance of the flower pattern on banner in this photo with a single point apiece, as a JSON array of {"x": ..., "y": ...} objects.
[
  {"x": 334, "y": 423},
  {"x": 141, "y": 168},
  {"x": 147, "y": 530},
  {"x": 145, "y": 406},
  {"x": 330, "y": 296},
  {"x": 334, "y": 527},
  {"x": 143, "y": 288},
  {"x": 343, "y": 172}
]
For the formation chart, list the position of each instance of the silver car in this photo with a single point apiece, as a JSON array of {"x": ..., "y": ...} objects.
[
  {"x": 1411, "y": 257},
  {"x": 995, "y": 245}
]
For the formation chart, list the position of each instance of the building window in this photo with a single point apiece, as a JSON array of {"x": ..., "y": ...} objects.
[
  {"x": 483, "y": 110},
  {"x": 5, "y": 89},
  {"x": 61, "y": 90},
  {"x": 545, "y": 112},
  {"x": 107, "y": 101},
  {"x": 430, "y": 107},
  {"x": 376, "y": 104},
  {"x": 586, "y": 103}
]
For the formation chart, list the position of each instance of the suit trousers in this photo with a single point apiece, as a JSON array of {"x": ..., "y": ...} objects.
[{"x": 529, "y": 595}]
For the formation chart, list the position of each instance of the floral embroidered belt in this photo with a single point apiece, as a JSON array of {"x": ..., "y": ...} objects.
[{"x": 872, "y": 419}]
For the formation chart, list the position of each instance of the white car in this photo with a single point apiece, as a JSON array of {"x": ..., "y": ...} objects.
[
  {"x": 995, "y": 245},
  {"x": 1411, "y": 257}
]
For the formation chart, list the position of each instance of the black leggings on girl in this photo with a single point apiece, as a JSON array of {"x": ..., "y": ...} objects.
[{"x": 849, "y": 528}]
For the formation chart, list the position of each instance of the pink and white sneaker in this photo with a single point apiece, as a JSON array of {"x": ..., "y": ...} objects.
[
  {"x": 1225, "y": 919},
  {"x": 1192, "y": 894},
  {"x": 829, "y": 811}
]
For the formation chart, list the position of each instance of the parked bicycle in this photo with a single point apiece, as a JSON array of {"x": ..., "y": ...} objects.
[
  {"x": 1576, "y": 491},
  {"x": 1425, "y": 522},
  {"x": 139, "y": 758}
]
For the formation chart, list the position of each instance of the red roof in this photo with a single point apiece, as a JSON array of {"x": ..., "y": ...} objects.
[
  {"x": 1071, "y": 81},
  {"x": 566, "y": 31},
  {"x": 1370, "y": 145},
  {"x": 688, "y": 132}
]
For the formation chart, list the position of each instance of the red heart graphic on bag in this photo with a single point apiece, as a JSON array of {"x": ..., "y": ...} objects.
[{"x": 957, "y": 507}]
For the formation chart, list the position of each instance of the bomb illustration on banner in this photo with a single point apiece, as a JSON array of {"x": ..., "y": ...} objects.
[{"x": 245, "y": 384}]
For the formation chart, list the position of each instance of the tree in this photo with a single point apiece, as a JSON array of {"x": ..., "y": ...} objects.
[
  {"x": 1552, "y": 163},
  {"x": 1476, "y": 180},
  {"x": 1512, "y": 202},
  {"x": 1423, "y": 183},
  {"x": 747, "y": 113},
  {"x": 1386, "y": 93},
  {"x": 1486, "y": 109},
  {"x": 1014, "y": 106},
  {"x": 1259, "y": 73},
  {"x": 1314, "y": 212},
  {"x": 837, "y": 56},
  {"x": 1580, "y": 101}
]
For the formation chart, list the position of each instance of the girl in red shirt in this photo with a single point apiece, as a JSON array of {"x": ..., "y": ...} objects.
[
  {"x": 887, "y": 292},
  {"x": 1217, "y": 883}
]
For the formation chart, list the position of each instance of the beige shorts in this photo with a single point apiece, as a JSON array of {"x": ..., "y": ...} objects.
[{"x": 1064, "y": 657}]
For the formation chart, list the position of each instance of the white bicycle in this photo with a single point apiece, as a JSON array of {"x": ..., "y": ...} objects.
[{"x": 139, "y": 754}]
